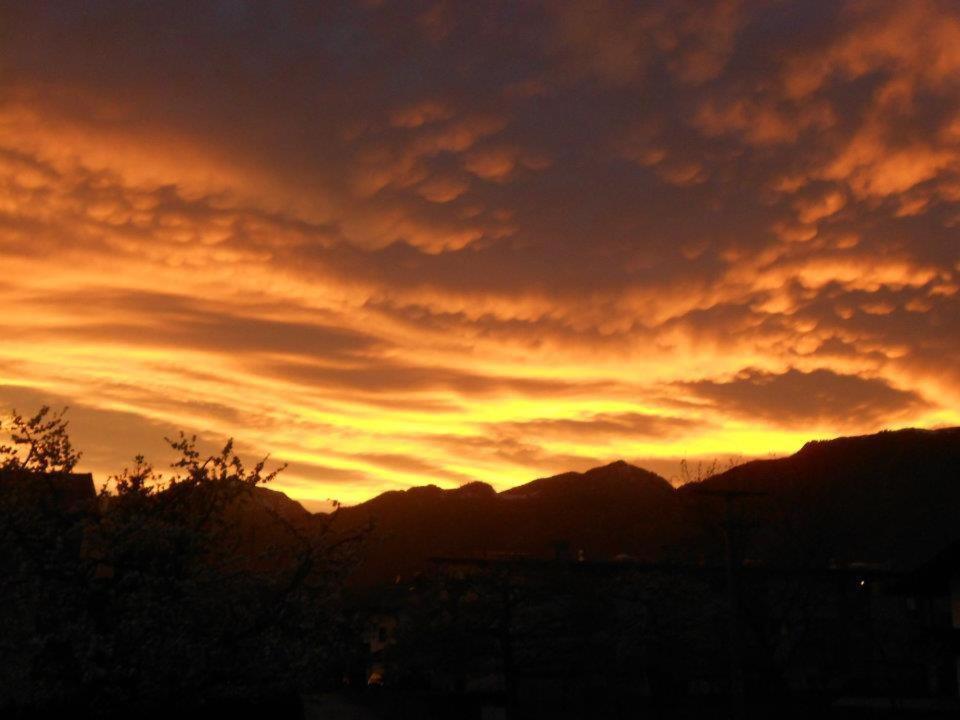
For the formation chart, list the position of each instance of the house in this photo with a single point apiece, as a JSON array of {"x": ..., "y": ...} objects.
[
  {"x": 71, "y": 492},
  {"x": 380, "y": 634},
  {"x": 933, "y": 590}
]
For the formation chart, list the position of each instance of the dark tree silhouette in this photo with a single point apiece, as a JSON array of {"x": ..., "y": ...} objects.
[
  {"x": 41, "y": 444},
  {"x": 165, "y": 594}
]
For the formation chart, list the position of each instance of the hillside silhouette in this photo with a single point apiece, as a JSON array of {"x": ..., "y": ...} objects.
[
  {"x": 892, "y": 498},
  {"x": 889, "y": 498}
]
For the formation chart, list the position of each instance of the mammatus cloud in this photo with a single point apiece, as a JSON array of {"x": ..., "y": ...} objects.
[{"x": 395, "y": 243}]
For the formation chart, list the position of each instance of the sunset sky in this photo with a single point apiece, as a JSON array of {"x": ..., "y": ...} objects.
[{"x": 396, "y": 243}]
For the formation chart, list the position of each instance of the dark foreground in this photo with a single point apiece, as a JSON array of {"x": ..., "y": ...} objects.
[{"x": 826, "y": 585}]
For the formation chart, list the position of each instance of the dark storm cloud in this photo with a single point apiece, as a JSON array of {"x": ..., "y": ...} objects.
[
  {"x": 616, "y": 425},
  {"x": 381, "y": 375},
  {"x": 176, "y": 321},
  {"x": 796, "y": 398}
]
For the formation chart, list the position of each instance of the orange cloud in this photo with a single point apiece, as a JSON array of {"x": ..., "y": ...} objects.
[{"x": 455, "y": 248}]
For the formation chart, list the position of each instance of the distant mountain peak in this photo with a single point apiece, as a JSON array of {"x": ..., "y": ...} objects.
[
  {"x": 475, "y": 489},
  {"x": 617, "y": 464},
  {"x": 619, "y": 475},
  {"x": 620, "y": 468}
]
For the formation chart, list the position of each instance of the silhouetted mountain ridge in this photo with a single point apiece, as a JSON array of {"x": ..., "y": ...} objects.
[
  {"x": 601, "y": 511},
  {"x": 615, "y": 478},
  {"x": 891, "y": 498}
]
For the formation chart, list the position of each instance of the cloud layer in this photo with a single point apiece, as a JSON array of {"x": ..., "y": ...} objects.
[{"x": 405, "y": 242}]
